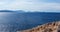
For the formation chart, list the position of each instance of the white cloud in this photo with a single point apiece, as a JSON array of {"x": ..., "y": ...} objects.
[{"x": 29, "y": 5}]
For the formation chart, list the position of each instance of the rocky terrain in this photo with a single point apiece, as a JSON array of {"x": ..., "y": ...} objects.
[{"x": 48, "y": 27}]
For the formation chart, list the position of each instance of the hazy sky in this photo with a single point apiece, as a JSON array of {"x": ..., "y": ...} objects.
[{"x": 30, "y": 5}]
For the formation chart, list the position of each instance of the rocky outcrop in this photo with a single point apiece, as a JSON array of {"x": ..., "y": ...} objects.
[{"x": 49, "y": 27}]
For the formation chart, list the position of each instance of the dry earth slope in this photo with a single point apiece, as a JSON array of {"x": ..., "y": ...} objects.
[{"x": 48, "y": 27}]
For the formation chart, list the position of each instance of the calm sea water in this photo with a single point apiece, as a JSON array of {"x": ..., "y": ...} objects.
[{"x": 12, "y": 22}]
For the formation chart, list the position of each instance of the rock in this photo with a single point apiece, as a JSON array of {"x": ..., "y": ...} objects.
[{"x": 49, "y": 27}]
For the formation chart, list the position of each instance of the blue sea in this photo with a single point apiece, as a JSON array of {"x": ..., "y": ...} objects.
[{"x": 14, "y": 21}]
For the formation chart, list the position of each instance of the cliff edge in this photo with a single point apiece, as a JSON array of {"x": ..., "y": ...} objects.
[{"x": 48, "y": 27}]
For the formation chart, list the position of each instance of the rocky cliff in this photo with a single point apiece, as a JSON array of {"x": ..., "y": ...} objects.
[{"x": 48, "y": 27}]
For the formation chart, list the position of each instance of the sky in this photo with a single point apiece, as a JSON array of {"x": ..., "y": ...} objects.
[{"x": 31, "y": 5}]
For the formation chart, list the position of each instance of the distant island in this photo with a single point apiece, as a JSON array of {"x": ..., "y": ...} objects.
[
  {"x": 21, "y": 11},
  {"x": 11, "y": 11},
  {"x": 6, "y": 11}
]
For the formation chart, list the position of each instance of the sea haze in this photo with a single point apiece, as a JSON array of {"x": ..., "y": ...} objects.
[{"x": 14, "y": 21}]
